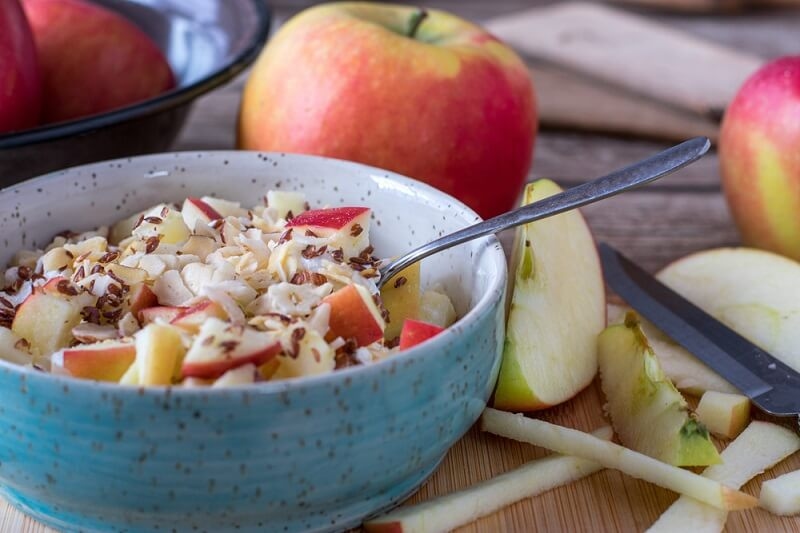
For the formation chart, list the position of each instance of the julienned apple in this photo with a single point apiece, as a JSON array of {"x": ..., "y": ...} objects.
[
  {"x": 759, "y": 153},
  {"x": 20, "y": 91},
  {"x": 425, "y": 94}
]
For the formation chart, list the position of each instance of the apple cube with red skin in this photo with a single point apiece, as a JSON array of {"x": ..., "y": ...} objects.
[
  {"x": 415, "y": 332},
  {"x": 192, "y": 318},
  {"x": 45, "y": 319},
  {"x": 354, "y": 315},
  {"x": 220, "y": 346},
  {"x": 345, "y": 227},
  {"x": 164, "y": 313},
  {"x": 195, "y": 210},
  {"x": 140, "y": 298},
  {"x": 105, "y": 361}
]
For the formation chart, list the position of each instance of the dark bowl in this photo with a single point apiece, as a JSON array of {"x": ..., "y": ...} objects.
[{"x": 207, "y": 43}]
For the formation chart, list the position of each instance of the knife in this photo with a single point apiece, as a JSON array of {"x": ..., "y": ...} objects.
[{"x": 771, "y": 385}]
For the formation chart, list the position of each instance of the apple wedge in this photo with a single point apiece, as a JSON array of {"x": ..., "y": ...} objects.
[
  {"x": 192, "y": 318},
  {"x": 195, "y": 210},
  {"x": 220, "y": 346},
  {"x": 448, "y": 512},
  {"x": 725, "y": 415},
  {"x": 756, "y": 293},
  {"x": 610, "y": 455},
  {"x": 354, "y": 315},
  {"x": 401, "y": 298},
  {"x": 557, "y": 310},
  {"x": 159, "y": 351},
  {"x": 759, "y": 447},
  {"x": 103, "y": 361},
  {"x": 46, "y": 320},
  {"x": 415, "y": 332},
  {"x": 287, "y": 204},
  {"x": 781, "y": 496},
  {"x": 344, "y": 227},
  {"x": 646, "y": 410}
]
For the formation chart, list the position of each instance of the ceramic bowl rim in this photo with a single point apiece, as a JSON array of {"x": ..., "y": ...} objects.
[
  {"x": 468, "y": 322},
  {"x": 168, "y": 100}
]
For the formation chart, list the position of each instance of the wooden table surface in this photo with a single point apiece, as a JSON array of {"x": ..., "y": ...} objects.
[{"x": 680, "y": 214}]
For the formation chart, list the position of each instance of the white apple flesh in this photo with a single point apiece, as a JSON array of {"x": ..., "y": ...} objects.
[{"x": 725, "y": 415}]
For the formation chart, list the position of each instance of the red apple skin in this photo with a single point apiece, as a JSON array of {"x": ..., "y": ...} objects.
[
  {"x": 336, "y": 81},
  {"x": 215, "y": 369},
  {"x": 20, "y": 88},
  {"x": 204, "y": 208},
  {"x": 141, "y": 297},
  {"x": 350, "y": 317},
  {"x": 192, "y": 318},
  {"x": 101, "y": 364},
  {"x": 415, "y": 332},
  {"x": 92, "y": 59},
  {"x": 759, "y": 153},
  {"x": 333, "y": 218},
  {"x": 166, "y": 313}
]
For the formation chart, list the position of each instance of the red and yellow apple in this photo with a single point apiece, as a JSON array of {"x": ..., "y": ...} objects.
[
  {"x": 422, "y": 93},
  {"x": 354, "y": 315},
  {"x": 759, "y": 153},
  {"x": 92, "y": 59},
  {"x": 20, "y": 80}
]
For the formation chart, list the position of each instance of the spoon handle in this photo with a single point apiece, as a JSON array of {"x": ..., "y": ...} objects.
[{"x": 639, "y": 173}]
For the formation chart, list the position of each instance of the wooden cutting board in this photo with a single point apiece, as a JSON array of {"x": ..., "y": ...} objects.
[{"x": 599, "y": 68}]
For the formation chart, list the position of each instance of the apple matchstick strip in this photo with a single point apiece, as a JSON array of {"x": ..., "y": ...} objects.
[
  {"x": 573, "y": 442},
  {"x": 458, "y": 508},
  {"x": 759, "y": 447}
]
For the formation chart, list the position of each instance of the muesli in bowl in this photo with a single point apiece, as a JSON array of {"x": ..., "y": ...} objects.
[{"x": 210, "y": 293}]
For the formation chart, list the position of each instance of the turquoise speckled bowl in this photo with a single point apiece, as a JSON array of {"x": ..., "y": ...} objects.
[{"x": 312, "y": 454}]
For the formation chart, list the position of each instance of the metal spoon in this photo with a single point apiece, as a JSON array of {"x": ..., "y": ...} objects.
[{"x": 644, "y": 171}]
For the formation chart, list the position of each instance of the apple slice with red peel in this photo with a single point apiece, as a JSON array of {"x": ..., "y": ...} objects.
[
  {"x": 558, "y": 307},
  {"x": 354, "y": 315},
  {"x": 46, "y": 320},
  {"x": 141, "y": 297},
  {"x": 416, "y": 332},
  {"x": 192, "y": 318},
  {"x": 104, "y": 361},
  {"x": 163, "y": 313},
  {"x": 195, "y": 210},
  {"x": 225, "y": 208},
  {"x": 220, "y": 346},
  {"x": 345, "y": 227}
]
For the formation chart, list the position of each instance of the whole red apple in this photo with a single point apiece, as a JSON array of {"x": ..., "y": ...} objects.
[
  {"x": 759, "y": 153},
  {"x": 20, "y": 82},
  {"x": 92, "y": 59},
  {"x": 425, "y": 94}
]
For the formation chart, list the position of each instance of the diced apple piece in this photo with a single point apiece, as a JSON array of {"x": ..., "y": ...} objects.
[
  {"x": 159, "y": 350},
  {"x": 558, "y": 307},
  {"x": 103, "y": 361},
  {"x": 345, "y": 227},
  {"x": 124, "y": 228},
  {"x": 46, "y": 320},
  {"x": 14, "y": 348},
  {"x": 401, "y": 297},
  {"x": 140, "y": 298},
  {"x": 199, "y": 245},
  {"x": 170, "y": 289},
  {"x": 781, "y": 496},
  {"x": 220, "y": 346},
  {"x": 195, "y": 210},
  {"x": 129, "y": 275},
  {"x": 243, "y": 375},
  {"x": 647, "y": 411},
  {"x": 268, "y": 369},
  {"x": 354, "y": 315},
  {"x": 161, "y": 313},
  {"x": 687, "y": 372},
  {"x": 725, "y": 415},
  {"x": 572, "y": 442},
  {"x": 166, "y": 223},
  {"x": 759, "y": 447},
  {"x": 131, "y": 376},
  {"x": 226, "y": 208},
  {"x": 314, "y": 356},
  {"x": 56, "y": 260},
  {"x": 456, "y": 509},
  {"x": 97, "y": 245},
  {"x": 435, "y": 307},
  {"x": 192, "y": 318},
  {"x": 286, "y": 203},
  {"x": 756, "y": 293},
  {"x": 415, "y": 332}
]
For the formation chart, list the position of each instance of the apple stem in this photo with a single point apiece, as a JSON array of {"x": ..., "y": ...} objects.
[{"x": 416, "y": 21}]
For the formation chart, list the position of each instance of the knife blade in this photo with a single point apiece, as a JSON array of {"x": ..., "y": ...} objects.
[{"x": 771, "y": 385}]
